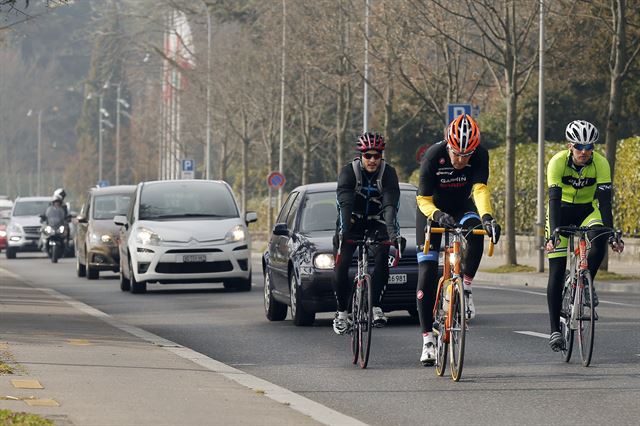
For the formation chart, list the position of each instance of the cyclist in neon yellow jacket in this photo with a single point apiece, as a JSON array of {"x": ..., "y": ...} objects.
[{"x": 580, "y": 188}]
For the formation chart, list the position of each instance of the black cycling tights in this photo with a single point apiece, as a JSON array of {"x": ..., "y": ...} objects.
[
  {"x": 428, "y": 274},
  {"x": 557, "y": 267},
  {"x": 341, "y": 284}
]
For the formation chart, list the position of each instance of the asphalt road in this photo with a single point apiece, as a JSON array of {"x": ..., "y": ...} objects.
[{"x": 510, "y": 375}]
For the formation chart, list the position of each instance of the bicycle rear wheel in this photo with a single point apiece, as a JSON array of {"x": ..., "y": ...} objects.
[
  {"x": 457, "y": 332},
  {"x": 365, "y": 320},
  {"x": 586, "y": 319},
  {"x": 355, "y": 312},
  {"x": 565, "y": 318},
  {"x": 440, "y": 318}
]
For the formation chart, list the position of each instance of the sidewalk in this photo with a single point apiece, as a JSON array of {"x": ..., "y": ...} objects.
[
  {"x": 93, "y": 372},
  {"x": 539, "y": 280}
]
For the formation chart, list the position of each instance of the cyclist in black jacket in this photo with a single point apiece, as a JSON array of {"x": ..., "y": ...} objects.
[{"x": 368, "y": 198}]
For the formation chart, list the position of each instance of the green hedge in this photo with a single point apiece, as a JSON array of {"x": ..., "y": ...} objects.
[{"x": 626, "y": 198}]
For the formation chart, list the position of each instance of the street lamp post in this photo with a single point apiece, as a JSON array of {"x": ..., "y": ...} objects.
[
  {"x": 365, "y": 112},
  {"x": 100, "y": 137},
  {"x": 39, "y": 152},
  {"x": 208, "y": 153}
]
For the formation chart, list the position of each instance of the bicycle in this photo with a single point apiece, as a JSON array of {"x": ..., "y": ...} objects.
[
  {"x": 576, "y": 313},
  {"x": 449, "y": 311},
  {"x": 362, "y": 299}
]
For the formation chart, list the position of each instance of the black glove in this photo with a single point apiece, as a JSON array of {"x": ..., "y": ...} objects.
[
  {"x": 444, "y": 219},
  {"x": 616, "y": 243},
  {"x": 399, "y": 242},
  {"x": 493, "y": 229}
]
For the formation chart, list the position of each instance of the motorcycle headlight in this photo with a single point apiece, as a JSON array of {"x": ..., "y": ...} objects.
[
  {"x": 146, "y": 237},
  {"x": 61, "y": 229},
  {"x": 106, "y": 238},
  {"x": 237, "y": 233},
  {"x": 324, "y": 261},
  {"x": 48, "y": 230}
]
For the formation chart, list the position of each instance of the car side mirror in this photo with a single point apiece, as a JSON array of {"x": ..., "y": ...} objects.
[
  {"x": 120, "y": 220},
  {"x": 250, "y": 217},
  {"x": 281, "y": 229},
  {"x": 81, "y": 218},
  {"x": 43, "y": 218}
]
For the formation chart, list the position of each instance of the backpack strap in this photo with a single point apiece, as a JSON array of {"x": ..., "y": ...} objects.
[{"x": 357, "y": 170}]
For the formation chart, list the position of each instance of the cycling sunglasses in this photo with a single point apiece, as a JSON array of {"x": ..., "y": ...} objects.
[
  {"x": 369, "y": 156},
  {"x": 457, "y": 154},
  {"x": 583, "y": 146}
]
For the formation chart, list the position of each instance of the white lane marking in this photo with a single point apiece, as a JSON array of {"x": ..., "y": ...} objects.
[
  {"x": 277, "y": 393},
  {"x": 537, "y": 293},
  {"x": 490, "y": 287},
  {"x": 533, "y": 333}
]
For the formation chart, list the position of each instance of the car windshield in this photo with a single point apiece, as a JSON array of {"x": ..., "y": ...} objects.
[
  {"x": 30, "y": 208},
  {"x": 170, "y": 200},
  {"x": 320, "y": 211},
  {"x": 109, "y": 205}
]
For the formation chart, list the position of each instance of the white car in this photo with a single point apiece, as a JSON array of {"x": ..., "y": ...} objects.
[
  {"x": 23, "y": 230},
  {"x": 184, "y": 231}
]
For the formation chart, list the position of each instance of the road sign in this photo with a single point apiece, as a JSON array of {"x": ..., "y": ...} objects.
[
  {"x": 276, "y": 180},
  {"x": 103, "y": 183},
  {"x": 421, "y": 151},
  {"x": 455, "y": 110},
  {"x": 187, "y": 168}
]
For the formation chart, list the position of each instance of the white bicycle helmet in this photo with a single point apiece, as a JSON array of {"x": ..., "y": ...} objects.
[{"x": 582, "y": 132}]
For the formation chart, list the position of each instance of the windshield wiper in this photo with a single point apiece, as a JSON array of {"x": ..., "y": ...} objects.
[{"x": 172, "y": 216}]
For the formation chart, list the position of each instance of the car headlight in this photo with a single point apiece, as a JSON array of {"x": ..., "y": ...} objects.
[
  {"x": 237, "y": 233},
  {"x": 14, "y": 228},
  {"x": 324, "y": 261},
  {"x": 3, "y": 234},
  {"x": 106, "y": 238},
  {"x": 147, "y": 237}
]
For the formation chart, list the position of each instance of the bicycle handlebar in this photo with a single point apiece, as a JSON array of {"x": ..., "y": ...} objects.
[{"x": 457, "y": 230}]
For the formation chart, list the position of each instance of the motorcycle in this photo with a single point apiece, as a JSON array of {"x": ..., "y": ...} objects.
[{"x": 54, "y": 236}]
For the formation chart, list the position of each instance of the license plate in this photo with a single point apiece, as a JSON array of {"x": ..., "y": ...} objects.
[
  {"x": 194, "y": 258},
  {"x": 397, "y": 279}
]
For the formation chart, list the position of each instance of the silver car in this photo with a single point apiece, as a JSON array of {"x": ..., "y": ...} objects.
[
  {"x": 23, "y": 230},
  {"x": 184, "y": 231}
]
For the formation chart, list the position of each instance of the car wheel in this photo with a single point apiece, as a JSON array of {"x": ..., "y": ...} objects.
[
  {"x": 137, "y": 287},
  {"x": 92, "y": 274},
  {"x": 81, "y": 270},
  {"x": 274, "y": 310},
  {"x": 125, "y": 284},
  {"x": 300, "y": 316},
  {"x": 238, "y": 284},
  {"x": 11, "y": 253}
]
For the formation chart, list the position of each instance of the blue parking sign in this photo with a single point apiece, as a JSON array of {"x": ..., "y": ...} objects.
[
  {"x": 455, "y": 110},
  {"x": 188, "y": 165}
]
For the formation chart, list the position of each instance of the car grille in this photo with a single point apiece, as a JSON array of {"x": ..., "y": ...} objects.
[
  {"x": 209, "y": 250},
  {"x": 31, "y": 230},
  {"x": 193, "y": 267}
]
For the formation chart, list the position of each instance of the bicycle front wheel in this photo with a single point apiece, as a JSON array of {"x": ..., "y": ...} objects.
[
  {"x": 586, "y": 319},
  {"x": 365, "y": 320},
  {"x": 355, "y": 313},
  {"x": 440, "y": 318},
  {"x": 457, "y": 332},
  {"x": 565, "y": 319}
]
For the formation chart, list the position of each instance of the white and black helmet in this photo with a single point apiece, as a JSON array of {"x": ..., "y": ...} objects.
[
  {"x": 59, "y": 194},
  {"x": 582, "y": 132}
]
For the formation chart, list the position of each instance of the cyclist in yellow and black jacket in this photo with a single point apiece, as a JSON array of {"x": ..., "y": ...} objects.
[
  {"x": 580, "y": 189},
  {"x": 452, "y": 189}
]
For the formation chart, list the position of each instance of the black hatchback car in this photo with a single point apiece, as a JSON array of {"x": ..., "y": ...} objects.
[{"x": 298, "y": 264}]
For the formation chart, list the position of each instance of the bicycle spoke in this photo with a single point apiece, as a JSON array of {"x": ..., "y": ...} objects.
[
  {"x": 565, "y": 316},
  {"x": 441, "y": 345},
  {"x": 355, "y": 313}
]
